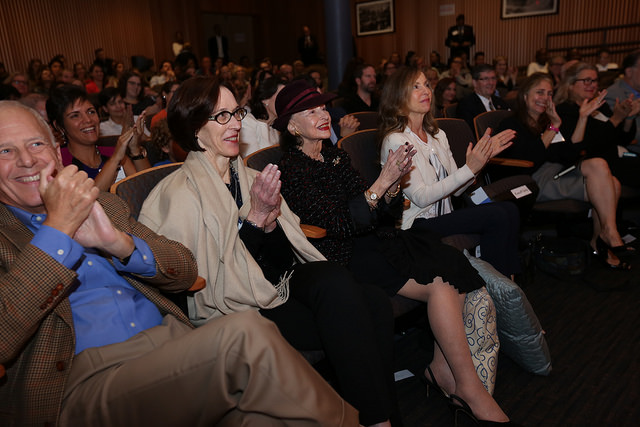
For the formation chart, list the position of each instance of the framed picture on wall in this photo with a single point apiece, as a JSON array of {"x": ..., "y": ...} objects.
[
  {"x": 524, "y": 8},
  {"x": 374, "y": 17}
]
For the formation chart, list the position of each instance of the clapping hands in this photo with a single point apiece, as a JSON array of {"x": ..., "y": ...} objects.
[{"x": 488, "y": 147}]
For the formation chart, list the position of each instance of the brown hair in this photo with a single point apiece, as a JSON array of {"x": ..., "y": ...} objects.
[
  {"x": 394, "y": 115},
  {"x": 522, "y": 113}
]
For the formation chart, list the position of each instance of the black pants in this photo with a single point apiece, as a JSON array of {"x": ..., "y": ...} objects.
[
  {"x": 353, "y": 323},
  {"x": 497, "y": 223}
]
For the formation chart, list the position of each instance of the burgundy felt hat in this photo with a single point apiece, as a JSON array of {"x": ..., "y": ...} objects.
[{"x": 297, "y": 96}]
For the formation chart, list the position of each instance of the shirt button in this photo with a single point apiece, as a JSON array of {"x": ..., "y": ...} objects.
[
  {"x": 144, "y": 257},
  {"x": 54, "y": 292},
  {"x": 171, "y": 270},
  {"x": 38, "y": 218},
  {"x": 89, "y": 263},
  {"x": 59, "y": 286},
  {"x": 133, "y": 325},
  {"x": 60, "y": 365},
  {"x": 119, "y": 292},
  {"x": 60, "y": 252}
]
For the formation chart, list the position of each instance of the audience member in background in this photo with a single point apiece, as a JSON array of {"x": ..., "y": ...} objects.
[
  {"x": 601, "y": 131},
  {"x": 218, "y": 44},
  {"x": 71, "y": 113},
  {"x": 96, "y": 80},
  {"x": 114, "y": 79},
  {"x": 573, "y": 54},
  {"x": 388, "y": 68},
  {"x": 257, "y": 258},
  {"x": 206, "y": 68},
  {"x": 178, "y": 42},
  {"x": 256, "y": 132},
  {"x": 627, "y": 87},
  {"x": 308, "y": 48},
  {"x": 166, "y": 74},
  {"x": 460, "y": 38},
  {"x": 80, "y": 283},
  {"x": 432, "y": 77},
  {"x": 417, "y": 61},
  {"x": 395, "y": 59},
  {"x": 444, "y": 95},
  {"x": 33, "y": 71},
  {"x": 364, "y": 98},
  {"x": 603, "y": 63},
  {"x": 80, "y": 72},
  {"x": 67, "y": 77},
  {"x": 56, "y": 67},
  {"x": 483, "y": 97},
  {"x": 463, "y": 78},
  {"x": 298, "y": 67},
  {"x": 540, "y": 64},
  {"x": 161, "y": 148},
  {"x": 131, "y": 91},
  {"x": 166, "y": 93},
  {"x": 557, "y": 69},
  {"x": 317, "y": 77},
  {"x": 20, "y": 81},
  {"x": 120, "y": 115},
  {"x": 45, "y": 82},
  {"x": 536, "y": 124},
  {"x": 286, "y": 71},
  {"x": 478, "y": 59},
  {"x": 102, "y": 60},
  {"x": 436, "y": 62},
  {"x": 36, "y": 101},
  {"x": 507, "y": 76}
]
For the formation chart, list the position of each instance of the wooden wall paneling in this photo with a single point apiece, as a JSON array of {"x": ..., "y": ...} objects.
[{"x": 75, "y": 28}]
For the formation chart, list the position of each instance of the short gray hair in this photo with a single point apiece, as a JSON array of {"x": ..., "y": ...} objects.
[{"x": 6, "y": 106}]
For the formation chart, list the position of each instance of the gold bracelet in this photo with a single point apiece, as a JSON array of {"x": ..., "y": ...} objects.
[{"x": 395, "y": 193}]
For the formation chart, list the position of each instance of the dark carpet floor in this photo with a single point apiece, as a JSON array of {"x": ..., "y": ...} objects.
[{"x": 592, "y": 329}]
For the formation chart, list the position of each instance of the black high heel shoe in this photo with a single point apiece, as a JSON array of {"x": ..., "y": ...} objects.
[
  {"x": 619, "y": 251},
  {"x": 432, "y": 384},
  {"x": 463, "y": 415},
  {"x": 602, "y": 252}
]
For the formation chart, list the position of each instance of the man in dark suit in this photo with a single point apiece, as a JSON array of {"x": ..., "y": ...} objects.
[
  {"x": 86, "y": 337},
  {"x": 483, "y": 97},
  {"x": 218, "y": 45},
  {"x": 460, "y": 38},
  {"x": 308, "y": 47}
]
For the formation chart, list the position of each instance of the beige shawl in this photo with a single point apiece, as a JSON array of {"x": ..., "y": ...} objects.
[{"x": 195, "y": 207}]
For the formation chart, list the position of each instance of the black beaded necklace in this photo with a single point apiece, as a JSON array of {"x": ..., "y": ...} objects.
[{"x": 234, "y": 186}]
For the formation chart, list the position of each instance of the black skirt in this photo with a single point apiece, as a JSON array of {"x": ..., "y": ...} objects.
[{"x": 389, "y": 258}]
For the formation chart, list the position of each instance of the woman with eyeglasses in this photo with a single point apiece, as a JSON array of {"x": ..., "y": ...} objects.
[
  {"x": 254, "y": 256},
  {"x": 536, "y": 123},
  {"x": 132, "y": 91},
  {"x": 589, "y": 122}
]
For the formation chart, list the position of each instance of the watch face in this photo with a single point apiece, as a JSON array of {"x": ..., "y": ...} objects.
[{"x": 374, "y": 196}]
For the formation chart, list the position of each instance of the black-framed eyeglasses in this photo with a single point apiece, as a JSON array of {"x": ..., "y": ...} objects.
[
  {"x": 223, "y": 117},
  {"x": 587, "y": 81}
]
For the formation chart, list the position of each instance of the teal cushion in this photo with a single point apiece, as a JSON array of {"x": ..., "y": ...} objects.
[{"x": 520, "y": 332}]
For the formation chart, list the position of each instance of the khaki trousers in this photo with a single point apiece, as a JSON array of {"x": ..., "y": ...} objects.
[{"x": 236, "y": 370}]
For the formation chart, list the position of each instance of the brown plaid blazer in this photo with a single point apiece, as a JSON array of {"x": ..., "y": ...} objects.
[{"x": 37, "y": 340}]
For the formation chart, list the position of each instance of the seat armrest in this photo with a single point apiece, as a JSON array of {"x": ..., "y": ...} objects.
[
  {"x": 313, "y": 232},
  {"x": 519, "y": 163}
]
